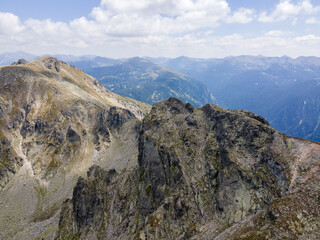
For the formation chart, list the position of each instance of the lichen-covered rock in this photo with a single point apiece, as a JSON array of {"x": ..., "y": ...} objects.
[
  {"x": 118, "y": 116},
  {"x": 10, "y": 161},
  {"x": 202, "y": 173},
  {"x": 105, "y": 202}
]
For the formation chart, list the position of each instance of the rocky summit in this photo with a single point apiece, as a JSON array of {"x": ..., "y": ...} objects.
[
  {"x": 80, "y": 162},
  {"x": 55, "y": 122},
  {"x": 205, "y": 173}
]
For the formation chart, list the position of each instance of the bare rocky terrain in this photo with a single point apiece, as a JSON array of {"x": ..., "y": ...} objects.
[
  {"x": 205, "y": 173},
  {"x": 55, "y": 122},
  {"x": 80, "y": 162}
]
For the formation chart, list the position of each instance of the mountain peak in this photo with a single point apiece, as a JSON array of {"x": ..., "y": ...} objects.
[
  {"x": 139, "y": 62},
  {"x": 66, "y": 79},
  {"x": 56, "y": 122},
  {"x": 173, "y": 105},
  {"x": 20, "y": 62},
  {"x": 50, "y": 63},
  {"x": 202, "y": 172}
]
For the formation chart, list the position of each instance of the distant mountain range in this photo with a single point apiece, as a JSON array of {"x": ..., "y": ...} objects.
[
  {"x": 10, "y": 57},
  {"x": 284, "y": 90},
  {"x": 143, "y": 80}
]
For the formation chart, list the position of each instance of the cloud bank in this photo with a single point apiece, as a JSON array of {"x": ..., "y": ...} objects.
[
  {"x": 287, "y": 9},
  {"x": 125, "y": 28}
]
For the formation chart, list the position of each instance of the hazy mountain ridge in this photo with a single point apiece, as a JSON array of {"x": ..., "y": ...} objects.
[
  {"x": 270, "y": 86},
  {"x": 148, "y": 82},
  {"x": 274, "y": 87},
  {"x": 10, "y": 57}
]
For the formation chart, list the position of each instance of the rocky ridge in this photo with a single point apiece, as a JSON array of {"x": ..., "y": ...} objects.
[
  {"x": 202, "y": 173},
  {"x": 80, "y": 162},
  {"x": 55, "y": 122}
]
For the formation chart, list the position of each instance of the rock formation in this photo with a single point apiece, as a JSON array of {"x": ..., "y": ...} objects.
[
  {"x": 206, "y": 173},
  {"x": 80, "y": 162},
  {"x": 55, "y": 122},
  {"x": 20, "y": 62}
]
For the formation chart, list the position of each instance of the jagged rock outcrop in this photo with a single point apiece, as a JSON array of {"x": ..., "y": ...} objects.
[
  {"x": 20, "y": 62},
  {"x": 55, "y": 122},
  {"x": 205, "y": 173},
  {"x": 10, "y": 161},
  {"x": 106, "y": 201}
]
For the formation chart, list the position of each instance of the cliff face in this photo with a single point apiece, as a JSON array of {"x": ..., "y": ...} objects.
[
  {"x": 205, "y": 173},
  {"x": 55, "y": 122}
]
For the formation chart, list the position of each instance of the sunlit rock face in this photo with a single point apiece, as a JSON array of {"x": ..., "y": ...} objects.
[{"x": 56, "y": 122}]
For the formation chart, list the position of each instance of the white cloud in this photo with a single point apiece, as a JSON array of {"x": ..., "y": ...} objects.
[
  {"x": 243, "y": 15},
  {"x": 113, "y": 22},
  {"x": 312, "y": 20},
  {"x": 273, "y": 43},
  {"x": 164, "y": 7},
  {"x": 9, "y": 24},
  {"x": 47, "y": 27},
  {"x": 147, "y": 17},
  {"x": 276, "y": 33},
  {"x": 308, "y": 38},
  {"x": 286, "y": 9},
  {"x": 125, "y": 28},
  {"x": 117, "y": 20}
]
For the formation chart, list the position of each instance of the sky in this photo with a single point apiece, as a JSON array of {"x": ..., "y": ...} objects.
[{"x": 161, "y": 28}]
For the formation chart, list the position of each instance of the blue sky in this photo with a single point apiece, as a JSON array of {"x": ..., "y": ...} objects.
[
  {"x": 169, "y": 28},
  {"x": 57, "y": 10}
]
